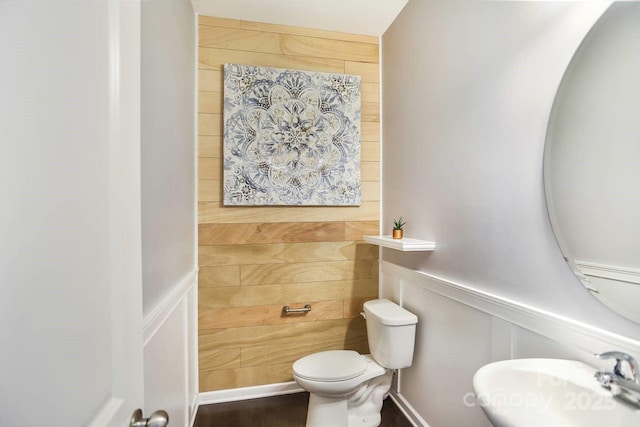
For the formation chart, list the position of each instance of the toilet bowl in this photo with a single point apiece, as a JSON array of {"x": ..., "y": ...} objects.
[
  {"x": 346, "y": 388},
  {"x": 336, "y": 372}
]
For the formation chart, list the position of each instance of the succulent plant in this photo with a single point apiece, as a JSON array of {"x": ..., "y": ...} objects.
[{"x": 398, "y": 223}]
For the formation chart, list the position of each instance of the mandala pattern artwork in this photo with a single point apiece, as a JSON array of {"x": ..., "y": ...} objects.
[{"x": 291, "y": 137}]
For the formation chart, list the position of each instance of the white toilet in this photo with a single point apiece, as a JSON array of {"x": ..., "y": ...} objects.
[{"x": 347, "y": 388}]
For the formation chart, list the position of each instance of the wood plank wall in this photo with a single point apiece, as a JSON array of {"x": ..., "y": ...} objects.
[{"x": 254, "y": 260}]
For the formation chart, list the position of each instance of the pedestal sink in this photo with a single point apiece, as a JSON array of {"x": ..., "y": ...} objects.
[{"x": 549, "y": 393}]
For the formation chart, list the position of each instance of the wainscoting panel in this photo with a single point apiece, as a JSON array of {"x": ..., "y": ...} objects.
[
  {"x": 461, "y": 329},
  {"x": 255, "y": 260},
  {"x": 169, "y": 362},
  {"x": 453, "y": 340}
]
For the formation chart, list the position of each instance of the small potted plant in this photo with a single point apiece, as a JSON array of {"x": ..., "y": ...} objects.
[{"x": 397, "y": 228}]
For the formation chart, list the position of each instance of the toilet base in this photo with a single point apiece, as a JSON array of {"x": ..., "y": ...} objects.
[
  {"x": 327, "y": 411},
  {"x": 360, "y": 408}
]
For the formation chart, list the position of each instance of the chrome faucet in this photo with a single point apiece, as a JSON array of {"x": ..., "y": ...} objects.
[{"x": 621, "y": 384}]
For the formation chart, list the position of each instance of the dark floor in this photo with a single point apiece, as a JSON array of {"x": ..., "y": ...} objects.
[{"x": 280, "y": 411}]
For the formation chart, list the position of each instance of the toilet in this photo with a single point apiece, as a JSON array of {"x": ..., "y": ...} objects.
[{"x": 347, "y": 388}]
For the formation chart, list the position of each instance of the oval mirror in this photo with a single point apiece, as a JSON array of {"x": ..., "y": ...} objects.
[{"x": 592, "y": 161}]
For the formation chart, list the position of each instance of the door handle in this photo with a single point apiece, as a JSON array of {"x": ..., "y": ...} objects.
[{"x": 157, "y": 419}]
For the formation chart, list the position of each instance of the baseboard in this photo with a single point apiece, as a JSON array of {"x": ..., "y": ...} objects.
[
  {"x": 405, "y": 407},
  {"x": 246, "y": 393}
]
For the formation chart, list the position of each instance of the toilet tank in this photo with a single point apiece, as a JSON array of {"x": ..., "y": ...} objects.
[{"x": 391, "y": 331}]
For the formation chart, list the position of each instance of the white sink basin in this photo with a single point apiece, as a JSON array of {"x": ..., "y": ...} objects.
[{"x": 549, "y": 393}]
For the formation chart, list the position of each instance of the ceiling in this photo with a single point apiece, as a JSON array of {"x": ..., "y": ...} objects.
[{"x": 371, "y": 17}]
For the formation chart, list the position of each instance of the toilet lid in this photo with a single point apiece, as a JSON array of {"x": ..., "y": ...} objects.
[{"x": 333, "y": 365}]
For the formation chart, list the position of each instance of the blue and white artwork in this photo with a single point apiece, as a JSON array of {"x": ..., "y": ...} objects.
[{"x": 290, "y": 137}]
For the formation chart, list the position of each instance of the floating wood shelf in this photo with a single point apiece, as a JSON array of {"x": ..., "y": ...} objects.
[{"x": 405, "y": 244}]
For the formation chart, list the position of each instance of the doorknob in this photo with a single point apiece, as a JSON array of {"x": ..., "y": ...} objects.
[{"x": 157, "y": 419}]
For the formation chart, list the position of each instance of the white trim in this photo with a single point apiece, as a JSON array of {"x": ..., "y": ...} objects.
[
  {"x": 407, "y": 410},
  {"x": 193, "y": 361},
  {"x": 568, "y": 331},
  {"x": 125, "y": 224},
  {"x": 104, "y": 416},
  {"x": 611, "y": 272},
  {"x": 186, "y": 368},
  {"x": 193, "y": 310},
  {"x": 194, "y": 410},
  {"x": 155, "y": 319},
  {"x": 381, "y": 137},
  {"x": 246, "y": 393}
]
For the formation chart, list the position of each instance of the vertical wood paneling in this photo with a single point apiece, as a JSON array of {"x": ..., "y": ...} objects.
[{"x": 254, "y": 260}]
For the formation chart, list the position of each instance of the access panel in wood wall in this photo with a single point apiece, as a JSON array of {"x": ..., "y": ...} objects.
[{"x": 255, "y": 260}]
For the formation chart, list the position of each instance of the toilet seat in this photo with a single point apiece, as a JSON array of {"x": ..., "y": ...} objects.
[{"x": 332, "y": 365}]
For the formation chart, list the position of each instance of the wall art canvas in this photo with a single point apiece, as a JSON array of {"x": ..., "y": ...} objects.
[{"x": 290, "y": 137}]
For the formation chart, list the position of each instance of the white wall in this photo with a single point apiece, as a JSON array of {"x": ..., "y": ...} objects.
[
  {"x": 168, "y": 207},
  {"x": 467, "y": 90},
  {"x": 168, "y": 150}
]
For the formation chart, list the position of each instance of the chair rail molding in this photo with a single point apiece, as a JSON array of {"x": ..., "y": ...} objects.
[
  {"x": 569, "y": 331},
  {"x": 154, "y": 320}
]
